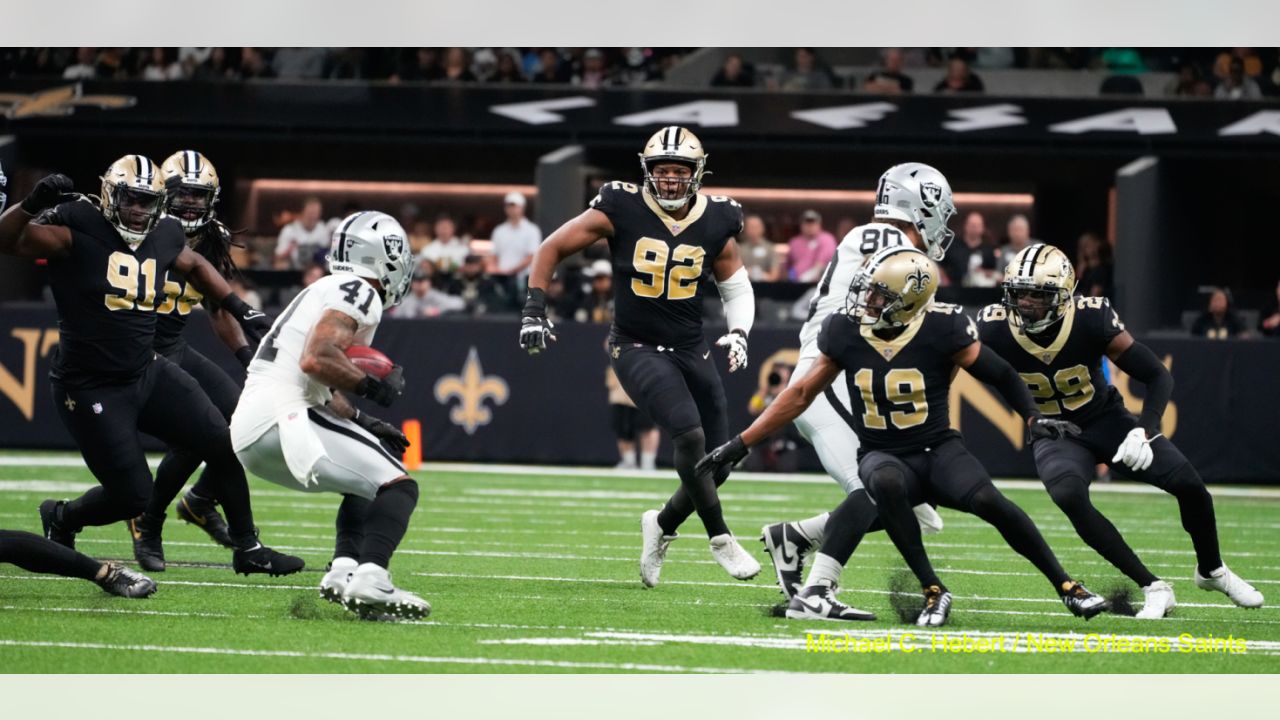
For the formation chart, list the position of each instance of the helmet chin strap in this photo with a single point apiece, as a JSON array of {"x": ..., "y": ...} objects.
[{"x": 670, "y": 205}]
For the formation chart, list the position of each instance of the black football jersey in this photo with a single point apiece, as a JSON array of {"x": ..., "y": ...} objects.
[
  {"x": 107, "y": 295},
  {"x": 661, "y": 264},
  {"x": 1063, "y": 369},
  {"x": 180, "y": 298},
  {"x": 899, "y": 388}
]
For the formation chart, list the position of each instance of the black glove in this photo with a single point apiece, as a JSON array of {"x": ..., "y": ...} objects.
[
  {"x": 535, "y": 328},
  {"x": 246, "y": 353},
  {"x": 383, "y": 430},
  {"x": 1046, "y": 429},
  {"x": 384, "y": 391},
  {"x": 254, "y": 322},
  {"x": 720, "y": 461},
  {"x": 47, "y": 193}
]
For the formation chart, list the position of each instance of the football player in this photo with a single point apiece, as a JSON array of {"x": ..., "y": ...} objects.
[
  {"x": 913, "y": 206},
  {"x": 107, "y": 260},
  {"x": 900, "y": 350},
  {"x": 1057, "y": 342},
  {"x": 42, "y": 555},
  {"x": 666, "y": 239},
  {"x": 191, "y": 196},
  {"x": 292, "y": 428}
]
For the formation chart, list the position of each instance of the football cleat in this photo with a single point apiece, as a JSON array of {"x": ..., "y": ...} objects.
[
  {"x": 334, "y": 582},
  {"x": 1229, "y": 584},
  {"x": 929, "y": 519},
  {"x": 371, "y": 595},
  {"x": 653, "y": 549},
  {"x": 937, "y": 607},
  {"x": 50, "y": 511},
  {"x": 1081, "y": 602},
  {"x": 124, "y": 582},
  {"x": 262, "y": 559},
  {"x": 786, "y": 547},
  {"x": 148, "y": 548},
  {"x": 1159, "y": 601},
  {"x": 203, "y": 514},
  {"x": 735, "y": 560},
  {"x": 819, "y": 603}
]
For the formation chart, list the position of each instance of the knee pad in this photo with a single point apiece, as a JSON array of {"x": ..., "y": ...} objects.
[
  {"x": 887, "y": 482},
  {"x": 689, "y": 448},
  {"x": 1186, "y": 482},
  {"x": 986, "y": 500},
  {"x": 1070, "y": 493}
]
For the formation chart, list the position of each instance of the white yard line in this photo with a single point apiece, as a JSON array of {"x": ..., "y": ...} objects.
[{"x": 123, "y": 611}]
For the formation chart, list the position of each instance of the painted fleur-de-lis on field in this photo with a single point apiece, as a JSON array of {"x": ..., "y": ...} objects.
[{"x": 471, "y": 388}]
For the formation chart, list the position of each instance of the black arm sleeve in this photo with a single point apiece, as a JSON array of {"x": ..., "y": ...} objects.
[
  {"x": 993, "y": 370},
  {"x": 1142, "y": 365}
]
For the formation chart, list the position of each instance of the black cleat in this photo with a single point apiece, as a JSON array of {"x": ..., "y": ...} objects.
[
  {"x": 148, "y": 549},
  {"x": 50, "y": 514},
  {"x": 263, "y": 559},
  {"x": 124, "y": 582},
  {"x": 1081, "y": 602},
  {"x": 819, "y": 603},
  {"x": 937, "y": 607},
  {"x": 203, "y": 514},
  {"x": 786, "y": 548}
]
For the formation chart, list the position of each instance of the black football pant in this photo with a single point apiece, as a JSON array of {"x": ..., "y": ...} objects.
[
  {"x": 164, "y": 402},
  {"x": 1066, "y": 467},
  {"x": 39, "y": 555},
  {"x": 680, "y": 390},
  {"x": 178, "y": 464}
]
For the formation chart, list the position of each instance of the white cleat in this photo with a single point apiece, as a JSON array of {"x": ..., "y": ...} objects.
[
  {"x": 371, "y": 595},
  {"x": 1159, "y": 601},
  {"x": 1231, "y": 585},
  {"x": 653, "y": 548},
  {"x": 736, "y": 561},
  {"x": 334, "y": 582},
  {"x": 929, "y": 519}
]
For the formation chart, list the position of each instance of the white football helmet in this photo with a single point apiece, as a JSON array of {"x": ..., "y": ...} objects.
[
  {"x": 372, "y": 245},
  {"x": 918, "y": 194}
]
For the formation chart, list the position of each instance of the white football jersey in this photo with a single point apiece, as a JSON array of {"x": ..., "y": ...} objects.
[
  {"x": 276, "y": 385},
  {"x": 833, "y": 288}
]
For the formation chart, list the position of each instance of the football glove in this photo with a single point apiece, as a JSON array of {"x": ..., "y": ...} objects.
[
  {"x": 736, "y": 342},
  {"x": 384, "y": 391},
  {"x": 254, "y": 322},
  {"x": 47, "y": 193},
  {"x": 386, "y": 432},
  {"x": 1135, "y": 452},
  {"x": 535, "y": 328},
  {"x": 720, "y": 461},
  {"x": 1046, "y": 429},
  {"x": 245, "y": 354}
]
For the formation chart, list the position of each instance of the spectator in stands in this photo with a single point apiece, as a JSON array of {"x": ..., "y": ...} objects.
[
  {"x": 457, "y": 66},
  {"x": 508, "y": 68},
  {"x": 637, "y": 68},
  {"x": 484, "y": 64},
  {"x": 1251, "y": 63},
  {"x": 1188, "y": 83},
  {"x": 759, "y": 256},
  {"x": 551, "y": 67},
  {"x": 1237, "y": 86},
  {"x": 1095, "y": 269},
  {"x": 514, "y": 243},
  {"x": 1219, "y": 321},
  {"x": 959, "y": 78},
  {"x": 592, "y": 75},
  {"x": 735, "y": 73},
  {"x": 811, "y": 250},
  {"x": 1269, "y": 325},
  {"x": 245, "y": 290},
  {"x": 889, "y": 79},
  {"x": 597, "y": 306},
  {"x": 217, "y": 66},
  {"x": 974, "y": 261},
  {"x": 253, "y": 65},
  {"x": 1017, "y": 237},
  {"x": 480, "y": 293},
  {"x": 160, "y": 64},
  {"x": 348, "y": 63},
  {"x": 306, "y": 63},
  {"x": 305, "y": 239},
  {"x": 446, "y": 252},
  {"x": 843, "y": 226},
  {"x": 85, "y": 66},
  {"x": 111, "y": 64},
  {"x": 425, "y": 301},
  {"x": 631, "y": 426},
  {"x": 807, "y": 72},
  {"x": 424, "y": 66}
]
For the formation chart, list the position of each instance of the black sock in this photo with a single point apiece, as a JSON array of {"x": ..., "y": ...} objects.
[
  {"x": 174, "y": 470},
  {"x": 847, "y": 525},
  {"x": 387, "y": 520},
  {"x": 1071, "y": 494},
  {"x": 1195, "y": 504},
  {"x": 699, "y": 492},
  {"x": 1019, "y": 532},
  {"x": 36, "y": 554},
  {"x": 889, "y": 486},
  {"x": 350, "y": 526},
  {"x": 94, "y": 508},
  {"x": 231, "y": 489},
  {"x": 203, "y": 487}
]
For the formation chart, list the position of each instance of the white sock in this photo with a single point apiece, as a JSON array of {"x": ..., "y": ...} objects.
[
  {"x": 812, "y": 528},
  {"x": 649, "y": 460},
  {"x": 629, "y": 459},
  {"x": 824, "y": 571}
]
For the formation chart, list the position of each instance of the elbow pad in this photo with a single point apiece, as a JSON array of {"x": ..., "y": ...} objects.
[{"x": 739, "y": 300}]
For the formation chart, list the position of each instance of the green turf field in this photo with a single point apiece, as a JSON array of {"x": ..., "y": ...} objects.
[{"x": 538, "y": 572}]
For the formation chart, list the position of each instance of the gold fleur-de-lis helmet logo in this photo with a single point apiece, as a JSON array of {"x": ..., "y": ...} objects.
[
  {"x": 472, "y": 387},
  {"x": 918, "y": 281}
]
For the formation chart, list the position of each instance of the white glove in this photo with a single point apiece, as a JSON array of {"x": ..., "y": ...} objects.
[
  {"x": 1135, "y": 451},
  {"x": 736, "y": 342}
]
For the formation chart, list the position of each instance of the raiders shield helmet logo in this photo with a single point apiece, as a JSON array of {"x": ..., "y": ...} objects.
[
  {"x": 930, "y": 193},
  {"x": 394, "y": 245}
]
